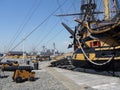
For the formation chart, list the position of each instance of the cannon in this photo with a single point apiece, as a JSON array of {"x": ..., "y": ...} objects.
[
  {"x": 21, "y": 73},
  {"x": 9, "y": 63},
  {"x": 6, "y": 63}
]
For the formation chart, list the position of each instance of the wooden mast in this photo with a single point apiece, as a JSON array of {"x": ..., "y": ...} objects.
[{"x": 106, "y": 10}]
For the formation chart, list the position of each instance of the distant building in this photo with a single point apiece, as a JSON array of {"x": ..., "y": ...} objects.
[{"x": 15, "y": 54}]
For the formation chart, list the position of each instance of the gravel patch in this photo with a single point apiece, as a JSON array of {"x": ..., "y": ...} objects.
[{"x": 44, "y": 81}]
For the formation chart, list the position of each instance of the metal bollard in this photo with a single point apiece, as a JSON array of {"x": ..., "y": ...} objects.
[{"x": 36, "y": 65}]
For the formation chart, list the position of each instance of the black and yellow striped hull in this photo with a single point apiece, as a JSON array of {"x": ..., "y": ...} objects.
[{"x": 98, "y": 55}]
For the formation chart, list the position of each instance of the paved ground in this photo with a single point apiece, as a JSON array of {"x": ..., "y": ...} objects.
[
  {"x": 50, "y": 78},
  {"x": 99, "y": 82},
  {"x": 44, "y": 81},
  {"x": 84, "y": 81}
]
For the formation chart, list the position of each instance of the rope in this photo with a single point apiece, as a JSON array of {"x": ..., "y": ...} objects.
[
  {"x": 99, "y": 64},
  {"x": 24, "y": 24},
  {"x": 49, "y": 16}
]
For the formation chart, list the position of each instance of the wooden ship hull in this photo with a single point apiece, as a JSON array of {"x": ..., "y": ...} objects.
[
  {"x": 103, "y": 48},
  {"x": 102, "y": 53},
  {"x": 97, "y": 42},
  {"x": 100, "y": 60}
]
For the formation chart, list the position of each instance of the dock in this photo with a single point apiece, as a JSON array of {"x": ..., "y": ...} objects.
[{"x": 53, "y": 78}]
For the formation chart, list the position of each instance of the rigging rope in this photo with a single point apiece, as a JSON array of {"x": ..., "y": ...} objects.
[
  {"x": 58, "y": 33},
  {"x": 22, "y": 26},
  {"x": 39, "y": 25},
  {"x": 51, "y": 29},
  {"x": 48, "y": 33}
]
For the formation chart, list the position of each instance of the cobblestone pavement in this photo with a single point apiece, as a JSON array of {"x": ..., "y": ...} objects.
[
  {"x": 44, "y": 80},
  {"x": 95, "y": 81},
  {"x": 49, "y": 78}
]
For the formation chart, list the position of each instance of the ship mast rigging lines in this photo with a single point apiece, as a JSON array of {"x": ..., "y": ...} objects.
[
  {"x": 29, "y": 34},
  {"x": 99, "y": 42},
  {"x": 23, "y": 25}
]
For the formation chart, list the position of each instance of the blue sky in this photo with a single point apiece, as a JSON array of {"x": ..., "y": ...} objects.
[{"x": 19, "y": 17}]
